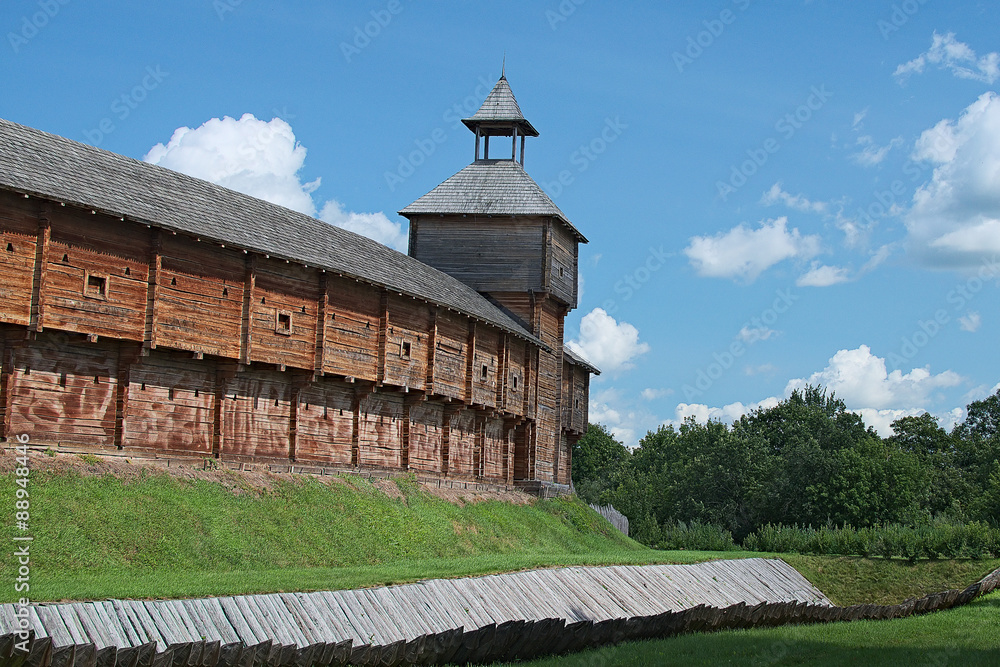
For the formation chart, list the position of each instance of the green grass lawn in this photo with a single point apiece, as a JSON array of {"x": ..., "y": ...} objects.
[
  {"x": 155, "y": 534},
  {"x": 968, "y": 636}
]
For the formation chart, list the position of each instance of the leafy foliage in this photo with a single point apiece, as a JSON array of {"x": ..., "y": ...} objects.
[{"x": 808, "y": 461}]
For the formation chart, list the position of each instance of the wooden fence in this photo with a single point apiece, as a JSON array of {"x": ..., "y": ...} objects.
[
  {"x": 509, "y": 617},
  {"x": 617, "y": 519}
]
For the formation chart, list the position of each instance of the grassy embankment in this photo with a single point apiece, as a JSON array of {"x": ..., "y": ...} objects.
[
  {"x": 150, "y": 533},
  {"x": 154, "y": 534}
]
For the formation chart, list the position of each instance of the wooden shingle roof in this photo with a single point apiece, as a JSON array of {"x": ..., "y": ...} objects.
[
  {"x": 577, "y": 360},
  {"x": 37, "y": 163},
  {"x": 490, "y": 188},
  {"x": 500, "y": 111}
]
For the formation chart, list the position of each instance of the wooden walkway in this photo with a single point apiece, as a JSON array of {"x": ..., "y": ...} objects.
[{"x": 333, "y": 627}]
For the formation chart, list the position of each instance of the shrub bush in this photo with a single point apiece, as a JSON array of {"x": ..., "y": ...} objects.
[{"x": 938, "y": 540}]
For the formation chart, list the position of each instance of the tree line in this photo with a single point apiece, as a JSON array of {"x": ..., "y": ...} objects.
[{"x": 807, "y": 461}]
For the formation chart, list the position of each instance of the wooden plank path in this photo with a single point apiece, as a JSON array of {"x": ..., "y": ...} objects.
[{"x": 419, "y": 623}]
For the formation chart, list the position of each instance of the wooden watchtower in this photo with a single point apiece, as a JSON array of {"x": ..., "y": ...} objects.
[{"x": 493, "y": 228}]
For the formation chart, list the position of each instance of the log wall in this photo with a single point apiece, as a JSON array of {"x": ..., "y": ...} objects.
[{"x": 114, "y": 334}]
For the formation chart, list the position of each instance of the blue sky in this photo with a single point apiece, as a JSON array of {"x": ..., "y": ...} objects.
[{"x": 775, "y": 193}]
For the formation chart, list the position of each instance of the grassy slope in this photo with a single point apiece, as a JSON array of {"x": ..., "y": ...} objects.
[
  {"x": 157, "y": 535},
  {"x": 160, "y": 536}
]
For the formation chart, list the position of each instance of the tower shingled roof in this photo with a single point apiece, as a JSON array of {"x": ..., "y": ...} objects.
[
  {"x": 500, "y": 108},
  {"x": 490, "y": 188}
]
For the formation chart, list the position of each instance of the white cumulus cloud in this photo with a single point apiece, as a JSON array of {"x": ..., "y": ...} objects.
[
  {"x": 870, "y": 153},
  {"x": 610, "y": 345},
  {"x": 797, "y": 202},
  {"x": 263, "y": 159},
  {"x": 750, "y": 334},
  {"x": 823, "y": 276},
  {"x": 744, "y": 253},
  {"x": 948, "y": 53},
  {"x": 862, "y": 381},
  {"x": 955, "y": 217},
  {"x": 970, "y": 322}
]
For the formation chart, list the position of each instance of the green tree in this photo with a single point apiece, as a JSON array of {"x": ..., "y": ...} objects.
[{"x": 597, "y": 456}]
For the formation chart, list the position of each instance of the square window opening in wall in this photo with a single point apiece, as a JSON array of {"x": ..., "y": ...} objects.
[
  {"x": 514, "y": 382},
  {"x": 486, "y": 372},
  {"x": 95, "y": 286},
  {"x": 283, "y": 323},
  {"x": 405, "y": 349},
  {"x": 562, "y": 272}
]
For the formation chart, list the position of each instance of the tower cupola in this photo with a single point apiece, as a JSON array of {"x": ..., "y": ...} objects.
[{"x": 500, "y": 116}]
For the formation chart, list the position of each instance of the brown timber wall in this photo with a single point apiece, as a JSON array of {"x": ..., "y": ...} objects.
[{"x": 117, "y": 335}]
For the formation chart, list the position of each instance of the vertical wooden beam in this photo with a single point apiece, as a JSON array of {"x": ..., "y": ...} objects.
[
  {"x": 42, "y": 244},
  {"x": 153, "y": 280},
  {"x": 558, "y": 353},
  {"x": 503, "y": 362},
  {"x": 298, "y": 383},
  {"x": 6, "y": 380},
  {"x": 522, "y": 150},
  {"x": 383, "y": 335},
  {"x": 249, "y": 301},
  {"x": 547, "y": 255},
  {"x": 432, "y": 335},
  {"x": 450, "y": 412},
  {"x": 361, "y": 392},
  {"x": 127, "y": 357},
  {"x": 470, "y": 364},
  {"x": 481, "y": 438},
  {"x": 530, "y": 351},
  {"x": 223, "y": 374},
  {"x": 319, "y": 357}
]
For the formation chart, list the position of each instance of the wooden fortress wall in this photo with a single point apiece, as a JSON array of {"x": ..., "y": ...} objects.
[{"x": 114, "y": 334}]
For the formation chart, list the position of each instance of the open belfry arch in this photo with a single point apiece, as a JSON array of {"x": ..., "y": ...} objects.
[{"x": 147, "y": 313}]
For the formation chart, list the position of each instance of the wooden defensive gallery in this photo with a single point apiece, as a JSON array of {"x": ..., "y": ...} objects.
[{"x": 145, "y": 311}]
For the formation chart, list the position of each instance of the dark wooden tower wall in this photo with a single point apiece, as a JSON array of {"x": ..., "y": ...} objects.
[{"x": 493, "y": 228}]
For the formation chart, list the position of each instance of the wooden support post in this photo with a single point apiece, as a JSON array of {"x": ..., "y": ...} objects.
[
  {"x": 432, "y": 335},
  {"x": 486, "y": 148},
  {"x": 558, "y": 353},
  {"x": 503, "y": 363},
  {"x": 223, "y": 374},
  {"x": 298, "y": 383},
  {"x": 408, "y": 402},
  {"x": 128, "y": 355},
  {"x": 361, "y": 392},
  {"x": 42, "y": 245},
  {"x": 153, "y": 288},
  {"x": 513, "y": 144},
  {"x": 470, "y": 364},
  {"x": 477, "y": 142},
  {"x": 6, "y": 375},
  {"x": 547, "y": 256},
  {"x": 249, "y": 301},
  {"x": 383, "y": 336},
  {"x": 450, "y": 412},
  {"x": 319, "y": 358},
  {"x": 522, "y": 150}
]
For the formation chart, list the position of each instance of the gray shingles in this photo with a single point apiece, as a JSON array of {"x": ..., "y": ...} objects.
[
  {"x": 490, "y": 187},
  {"x": 500, "y": 107},
  {"x": 42, "y": 164}
]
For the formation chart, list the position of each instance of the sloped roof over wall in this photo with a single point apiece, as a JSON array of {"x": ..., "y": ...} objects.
[
  {"x": 37, "y": 163},
  {"x": 490, "y": 187}
]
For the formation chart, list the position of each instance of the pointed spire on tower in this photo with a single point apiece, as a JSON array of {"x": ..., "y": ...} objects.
[{"x": 503, "y": 67}]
